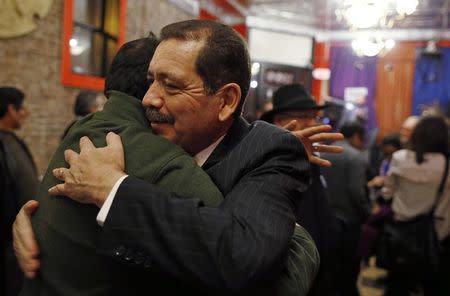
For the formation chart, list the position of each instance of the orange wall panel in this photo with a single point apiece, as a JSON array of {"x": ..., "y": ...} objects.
[{"x": 395, "y": 79}]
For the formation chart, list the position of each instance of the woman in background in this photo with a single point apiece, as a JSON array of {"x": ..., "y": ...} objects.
[{"x": 412, "y": 183}]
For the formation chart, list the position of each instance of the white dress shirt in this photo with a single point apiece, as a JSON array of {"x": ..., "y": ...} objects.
[{"x": 200, "y": 158}]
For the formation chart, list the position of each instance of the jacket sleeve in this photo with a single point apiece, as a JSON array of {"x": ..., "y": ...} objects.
[
  {"x": 301, "y": 267},
  {"x": 232, "y": 246}
]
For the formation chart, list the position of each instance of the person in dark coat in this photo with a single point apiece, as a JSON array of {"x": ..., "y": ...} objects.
[
  {"x": 347, "y": 192},
  {"x": 18, "y": 183},
  {"x": 294, "y": 108}
]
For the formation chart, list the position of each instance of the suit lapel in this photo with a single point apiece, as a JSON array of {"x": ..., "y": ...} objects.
[{"x": 239, "y": 129}]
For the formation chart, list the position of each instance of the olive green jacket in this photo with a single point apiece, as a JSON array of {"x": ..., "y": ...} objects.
[{"x": 67, "y": 231}]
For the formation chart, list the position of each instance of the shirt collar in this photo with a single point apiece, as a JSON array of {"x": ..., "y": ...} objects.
[{"x": 201, "y": 157}]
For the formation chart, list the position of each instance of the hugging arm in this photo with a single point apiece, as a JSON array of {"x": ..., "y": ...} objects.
[
  {"x": 224, "y": 247},
  {"x": 230, "y": 247}
]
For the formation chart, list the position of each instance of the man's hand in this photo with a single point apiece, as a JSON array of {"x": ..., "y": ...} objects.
[
  {"x": 312, "y": 136},
  {"x": 92, "y": 173},
  {"x": 24, "y": 242},
  {"x": 378, "y": 181}
]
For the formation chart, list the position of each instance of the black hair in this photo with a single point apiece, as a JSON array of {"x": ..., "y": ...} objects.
[
  {"x": 351, "y": 128},
  {"x": 392, "y": 139},
  {"x": 84, "y": 101},
  {"x": 8, "y": 96},
  {"x": 128, "y": 71},
  {"x": 430, "y": 135}
]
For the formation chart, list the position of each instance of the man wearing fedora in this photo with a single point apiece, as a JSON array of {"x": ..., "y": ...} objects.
[{"x": 295, "y": 109}]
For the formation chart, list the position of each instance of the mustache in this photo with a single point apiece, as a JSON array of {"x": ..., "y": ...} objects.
[{"x": 153, "y": 115}]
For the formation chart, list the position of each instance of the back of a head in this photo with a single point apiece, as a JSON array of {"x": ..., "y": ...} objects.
[
  {"x": 86, "y": 99},
  {"x": 392, "y": 139},
  {"x": 430, "y": 135},
  {"x": 8, "y": 96},
  {"x": 224, "y": 57},
  {"x": 410, "y": 122},
  {"x": 351, "y": 128},
  {"x": 128, "y": 70},
  {"x": 407, "y": 127}
]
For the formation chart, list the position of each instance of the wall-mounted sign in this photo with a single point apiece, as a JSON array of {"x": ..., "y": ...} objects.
[
  {"x": 278, "y": 77},
  {"x": 355, "y": 95}
]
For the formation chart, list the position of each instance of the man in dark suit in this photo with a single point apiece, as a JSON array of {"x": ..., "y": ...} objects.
[
  {"x": 294, "y": 108},
  {"x": 18, "y": 181},
  {"x": 346, "y": 188},
  {"x": 201, "y": 76}
]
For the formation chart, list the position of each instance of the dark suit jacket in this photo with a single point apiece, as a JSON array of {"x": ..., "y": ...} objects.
[
  {"x": 243, "y": 243},
  {"x": 18, "y": 183},
  {"x": 319, "y": 219},
  {"x": 346, "y": 184},
  {"x": 67, "y": 231},
  {"x": 18, "y": 180},
  {"x": 316, "y": 215}
]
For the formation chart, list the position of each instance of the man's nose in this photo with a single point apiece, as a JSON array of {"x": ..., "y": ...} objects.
[{"x": 152, "y": 98}]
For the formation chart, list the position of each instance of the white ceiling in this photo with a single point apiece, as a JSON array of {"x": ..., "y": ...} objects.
[
  {"x": 430, "y": 14},
  {"x": 318, "y": 18}
]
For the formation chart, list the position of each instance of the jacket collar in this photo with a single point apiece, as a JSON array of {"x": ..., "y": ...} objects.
[
  {"x": 124, "y": 107},
  {"x": 238, "y": 130}
]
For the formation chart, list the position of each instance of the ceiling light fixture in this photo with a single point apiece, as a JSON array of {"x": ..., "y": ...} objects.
[
  {"x": 361, "y": 14},
  {"x": 373, "y": 14},
  {"x": 406, "y": 7},
  {"x": 372, "y": 46},
  {"x": 364, "y": 14}
]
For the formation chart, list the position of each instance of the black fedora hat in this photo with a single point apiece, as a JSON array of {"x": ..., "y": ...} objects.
[{"x": 292, "y": 97}]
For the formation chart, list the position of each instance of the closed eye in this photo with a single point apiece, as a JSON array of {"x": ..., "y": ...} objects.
[{"x": 170, "y": 85}]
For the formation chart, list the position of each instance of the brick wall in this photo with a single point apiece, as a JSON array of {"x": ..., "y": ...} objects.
[
  {"x": 32, "y": 63},
  {"x": 144, "y": 16}
]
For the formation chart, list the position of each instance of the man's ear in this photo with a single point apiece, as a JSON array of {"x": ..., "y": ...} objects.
[{"x": 230, "y": 98}]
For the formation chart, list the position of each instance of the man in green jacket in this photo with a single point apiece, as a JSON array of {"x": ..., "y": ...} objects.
[{"x": 66, "y": 231}]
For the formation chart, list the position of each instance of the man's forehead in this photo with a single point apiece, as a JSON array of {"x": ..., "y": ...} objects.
[
  {"x": 178, "y": 47},
  {"x": 162, "y": 71},
  {"x": 174, "y": 51}
]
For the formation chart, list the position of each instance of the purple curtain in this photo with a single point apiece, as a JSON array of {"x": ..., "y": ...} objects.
[{"x": 349, "y": 70}]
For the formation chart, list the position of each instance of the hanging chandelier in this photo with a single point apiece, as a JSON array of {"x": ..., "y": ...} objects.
[
  {"x": 372, "y": 46},
  {"x": 370, "y": 15},
  {"x": 365, "y": 14}
]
